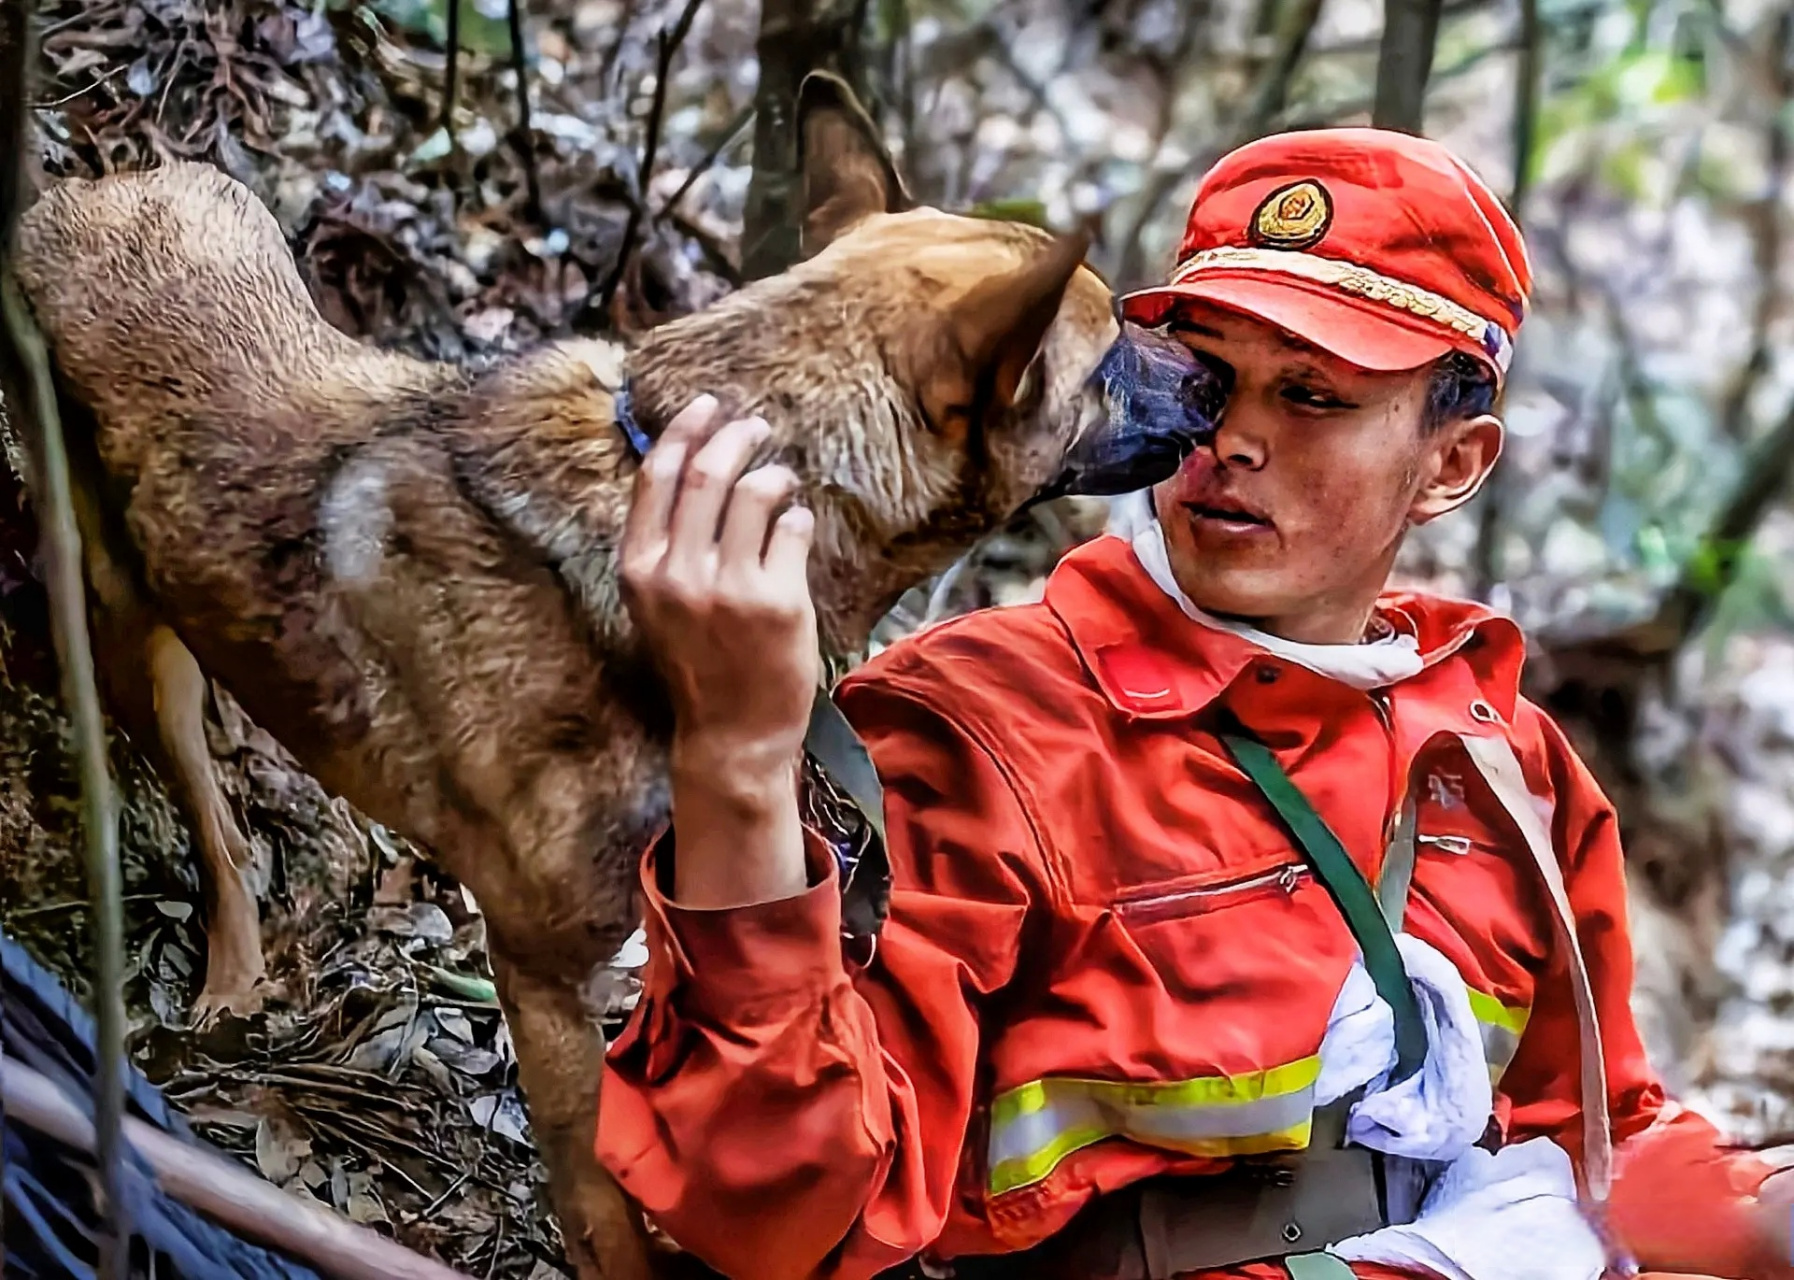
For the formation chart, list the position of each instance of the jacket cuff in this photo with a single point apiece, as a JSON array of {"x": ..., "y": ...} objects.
[{"x": 743, "y": 962}]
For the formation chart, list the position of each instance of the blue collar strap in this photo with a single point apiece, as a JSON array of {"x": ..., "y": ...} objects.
[{"x": 638, "y": 440}]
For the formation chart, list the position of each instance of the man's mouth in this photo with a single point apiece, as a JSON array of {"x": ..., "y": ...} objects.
[{"x": 1229, "y": 516}]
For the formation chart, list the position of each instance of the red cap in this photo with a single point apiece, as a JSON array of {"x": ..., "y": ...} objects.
[{"x": 1382, "y": 248}]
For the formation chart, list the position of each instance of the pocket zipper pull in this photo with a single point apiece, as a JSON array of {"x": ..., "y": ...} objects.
[{"x": 1446, "y": 844}]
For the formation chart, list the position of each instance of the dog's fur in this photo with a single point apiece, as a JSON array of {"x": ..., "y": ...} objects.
[{"x": 407, "y": 571}]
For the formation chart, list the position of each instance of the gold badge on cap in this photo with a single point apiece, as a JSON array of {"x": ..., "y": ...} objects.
[{"x": 1293, "y": 217}]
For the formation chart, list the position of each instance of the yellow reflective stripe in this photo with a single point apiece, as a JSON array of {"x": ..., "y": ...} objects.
[
  {"x": 1491, "y": 1011},
  {"x": 1502, "y": 1026},
  {"x": 1202, "y": 1091},
  {"x": 1038, "y": 1124}
]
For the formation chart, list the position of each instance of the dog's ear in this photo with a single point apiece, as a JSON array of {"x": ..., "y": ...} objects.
[
  {"x": 848, "y": 174},
  {"x": 993, "y": 334}
]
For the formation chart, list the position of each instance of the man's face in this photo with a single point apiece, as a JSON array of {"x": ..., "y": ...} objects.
[{"x": 1294, "y": 515}]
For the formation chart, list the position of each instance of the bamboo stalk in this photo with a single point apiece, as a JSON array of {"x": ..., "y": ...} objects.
[{"x": 250, "y": 1207}]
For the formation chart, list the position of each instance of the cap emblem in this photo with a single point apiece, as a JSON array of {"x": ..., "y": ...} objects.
[{"x": 1293, "y": 217}]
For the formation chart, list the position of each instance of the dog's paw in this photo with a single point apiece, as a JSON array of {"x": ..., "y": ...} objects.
[{"x": 235, "y": 997}]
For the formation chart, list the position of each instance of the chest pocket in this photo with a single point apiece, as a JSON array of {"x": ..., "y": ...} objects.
[{"x": 1480, "y": 902}]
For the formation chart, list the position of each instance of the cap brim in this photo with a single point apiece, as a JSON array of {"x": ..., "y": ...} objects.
[{"x": 1361, "y": 333}]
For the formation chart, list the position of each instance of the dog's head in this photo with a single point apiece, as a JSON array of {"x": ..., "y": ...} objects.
[{"x": 927, "y": 374}]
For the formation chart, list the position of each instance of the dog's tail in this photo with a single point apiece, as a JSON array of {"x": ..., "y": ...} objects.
[{"x": 169, "y": 294}]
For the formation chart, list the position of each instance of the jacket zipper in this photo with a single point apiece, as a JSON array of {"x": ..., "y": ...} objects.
[{"x": 1151, "y": 908}]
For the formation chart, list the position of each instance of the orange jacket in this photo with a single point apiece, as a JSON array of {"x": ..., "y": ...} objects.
[{"x": 1100, "y": 941}]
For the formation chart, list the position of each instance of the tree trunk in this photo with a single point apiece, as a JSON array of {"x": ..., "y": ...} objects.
[
  {"x": 1404, "y": 63},
  {"x": 796, "y": 38}
]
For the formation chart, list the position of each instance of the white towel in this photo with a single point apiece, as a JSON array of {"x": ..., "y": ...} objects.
[
  {"x": 1510, "y": 1215},
  {"x": 1444, "y": 1106},
  {"x": 1480, "y": 1207}
]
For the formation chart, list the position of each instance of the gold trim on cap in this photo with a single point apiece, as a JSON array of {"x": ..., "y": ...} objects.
[{"x": 1349, "y": 277}]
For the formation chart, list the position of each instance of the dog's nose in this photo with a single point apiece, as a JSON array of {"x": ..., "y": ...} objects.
[{"x": 1161, "y": 402}]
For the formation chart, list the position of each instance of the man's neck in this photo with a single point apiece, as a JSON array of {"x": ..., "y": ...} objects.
[{"x": 1319, "y": 623}]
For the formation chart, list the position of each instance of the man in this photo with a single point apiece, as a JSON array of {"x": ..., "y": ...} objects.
[{"x": 1120, "y": 1005}]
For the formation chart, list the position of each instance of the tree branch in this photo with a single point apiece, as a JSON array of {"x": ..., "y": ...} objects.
[
  {"x": 1527, "y": 74},
  {"x": 1766, "y": 228},
  {"x": 1269, "y": 93},
  {"x": 224, "y": 1191},
  {"x": 667, "y": 44},
  {"x": 526, "y": 136},
  {"x": 702, "y": 167},
  {"x": 1486, "y": 562},
  {"x": 31, "y": 403},
  {"x": 1404, "y": 63},
  {"x": 796, "y": 38}
]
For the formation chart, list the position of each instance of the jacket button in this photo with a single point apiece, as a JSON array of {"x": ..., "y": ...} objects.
[
  {"x": 1483, "y": 713},
  {"x": 1266, "y": 673},
  {"x": 1292, "y": 1232}
]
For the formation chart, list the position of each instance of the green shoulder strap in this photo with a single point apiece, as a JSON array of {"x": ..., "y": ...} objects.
[{"x": 1348, "y": 887}]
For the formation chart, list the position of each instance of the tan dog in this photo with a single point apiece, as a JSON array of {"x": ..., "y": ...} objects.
[{"x": 406, "y": 571}]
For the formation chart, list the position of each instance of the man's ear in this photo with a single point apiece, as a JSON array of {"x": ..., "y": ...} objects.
[
  {"x": 1467, "y": 453},
  {"x": 848, "y": 174},
  {"x": 993, "y": 333}
]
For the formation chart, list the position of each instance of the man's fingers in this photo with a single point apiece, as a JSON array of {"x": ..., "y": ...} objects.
[
  {"x": 788, "y": 547},
  {"x": 657, "y": 483},
  {"x": 746, "y": 525},
  {"x": 709, "y": 478},
  {"x": 692, "y": 425},
  {"x": 651, "y": 506}
]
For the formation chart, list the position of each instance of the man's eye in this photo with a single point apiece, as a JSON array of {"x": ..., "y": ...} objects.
[{"x": 1313, "y": 398}]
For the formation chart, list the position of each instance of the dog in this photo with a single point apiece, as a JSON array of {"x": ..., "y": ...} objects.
[{"x": 407, "y": 571}]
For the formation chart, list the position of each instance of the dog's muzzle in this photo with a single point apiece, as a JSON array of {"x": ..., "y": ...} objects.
[{"x": 1162, "y": 401}]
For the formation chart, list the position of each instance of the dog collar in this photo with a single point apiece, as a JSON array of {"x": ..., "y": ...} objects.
[{"x": 623, "y": 406}]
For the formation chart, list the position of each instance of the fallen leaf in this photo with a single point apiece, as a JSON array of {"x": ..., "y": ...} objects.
[
  {"x": 397, "y": 883},
  {"x": 279, "y": 1150}
]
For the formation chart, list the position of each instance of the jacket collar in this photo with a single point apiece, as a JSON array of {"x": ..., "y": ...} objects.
[{"x": 1151, "y": 661}]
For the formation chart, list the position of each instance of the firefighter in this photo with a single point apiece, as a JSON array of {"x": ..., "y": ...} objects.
[{"x": 1244, "y": 918}]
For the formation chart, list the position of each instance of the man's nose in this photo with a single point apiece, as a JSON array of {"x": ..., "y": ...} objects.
[{"x": 1240, "y": 437}]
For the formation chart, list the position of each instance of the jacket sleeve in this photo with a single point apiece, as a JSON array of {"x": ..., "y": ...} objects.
[
  {"x": 779, "y": 1115},
  {"x": 1682, "y": 1198}
]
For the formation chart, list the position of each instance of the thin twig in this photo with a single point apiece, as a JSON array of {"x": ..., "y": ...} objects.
[
  {"x": 667, "y": 44},
  {"x": 698, "y": 170},
  {"x": 452, "y": 70},
  {"x": 716, "y": 253},
  {"x": 1269, "y": 92},
  {"x": 73, "y": 904},
  {"x": 526, "y": 137},
  {"x": 31, "y": 401}
]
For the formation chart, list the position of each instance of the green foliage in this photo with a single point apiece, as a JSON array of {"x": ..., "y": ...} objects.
[
  {"x": 1032, "y": 212},
  {"x": 429, "y": 19}
]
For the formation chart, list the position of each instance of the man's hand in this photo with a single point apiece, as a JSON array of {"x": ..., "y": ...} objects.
[{"x": 714, "y": 571}]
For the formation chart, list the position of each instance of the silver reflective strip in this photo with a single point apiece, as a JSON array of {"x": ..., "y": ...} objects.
[{"x": 1499, "y": 1047}]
